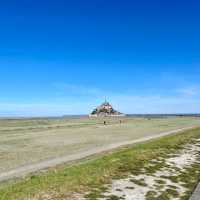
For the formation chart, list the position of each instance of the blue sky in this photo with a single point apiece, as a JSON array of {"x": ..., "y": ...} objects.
[{"x": 64, "y": 57}]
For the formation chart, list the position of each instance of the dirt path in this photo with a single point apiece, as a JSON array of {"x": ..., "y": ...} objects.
[
  {"x": 25, "y": 170},
  {"x": 196, "y": 194}
]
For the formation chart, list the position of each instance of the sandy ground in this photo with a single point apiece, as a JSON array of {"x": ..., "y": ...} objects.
[
  {"x": 129, "y": 189},
  {"x": 27, "y": 145},
  {"x": 24, "y": 170}
]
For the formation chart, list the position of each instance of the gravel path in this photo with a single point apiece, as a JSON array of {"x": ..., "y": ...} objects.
[
  {"x": 25, "y": 170},
  {"x": 196, "y": 194}
]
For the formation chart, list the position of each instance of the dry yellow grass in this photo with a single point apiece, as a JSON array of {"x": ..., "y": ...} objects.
[{"x": 28, "y": 141}]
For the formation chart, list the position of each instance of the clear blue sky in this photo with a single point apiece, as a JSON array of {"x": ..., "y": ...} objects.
[{"x": 63, "y": 57}]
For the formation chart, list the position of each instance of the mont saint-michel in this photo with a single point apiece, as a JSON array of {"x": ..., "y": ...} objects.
[{"x": 106, "y": 110}]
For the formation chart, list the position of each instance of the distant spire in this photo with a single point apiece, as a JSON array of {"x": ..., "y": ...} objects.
[{"x": 105, "y": 100}]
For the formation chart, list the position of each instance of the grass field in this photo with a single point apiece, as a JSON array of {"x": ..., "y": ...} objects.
[
  {"x": 91, "y": 178},
  {"x": 27, "y": 141}
]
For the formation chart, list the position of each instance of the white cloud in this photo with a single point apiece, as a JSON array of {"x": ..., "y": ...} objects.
[
  {"x": 45, "y": 109},
  {"x": 81, "y": 100},
  {"x": 190, "y": 91},
  {"x": 156, "y": 104},
  {"x": 125, "y": 103}
]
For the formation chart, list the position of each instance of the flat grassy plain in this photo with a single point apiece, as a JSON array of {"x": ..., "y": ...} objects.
[
  {"x": 28, "y": 141},
  {"x": 90, "y": 176}
]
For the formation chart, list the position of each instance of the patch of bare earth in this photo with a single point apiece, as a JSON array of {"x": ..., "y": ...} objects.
[{"x": 153, "y": 184}]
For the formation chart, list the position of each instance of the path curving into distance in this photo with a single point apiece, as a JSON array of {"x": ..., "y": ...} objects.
[{"x": 27, "y": 169}]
